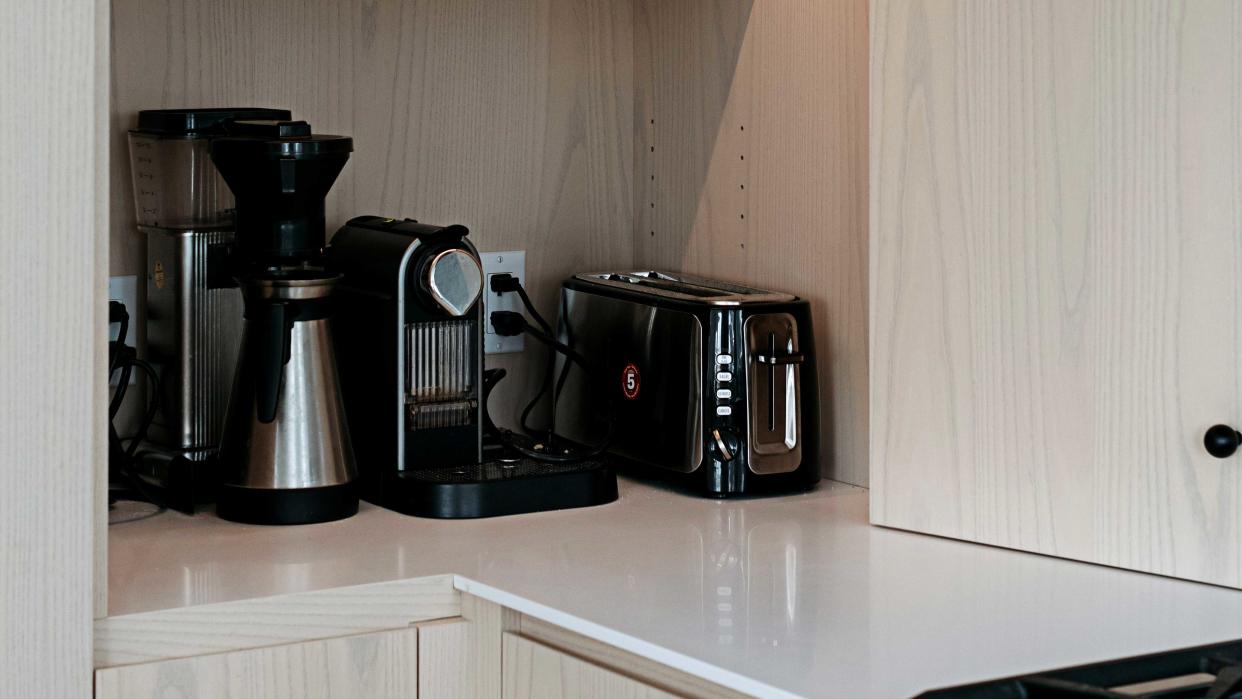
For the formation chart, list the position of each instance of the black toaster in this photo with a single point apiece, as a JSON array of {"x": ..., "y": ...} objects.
[{"x": 710, "y": 383}]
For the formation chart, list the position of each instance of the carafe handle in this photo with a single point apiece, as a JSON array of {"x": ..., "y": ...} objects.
[{"x": 274, "y": 354}]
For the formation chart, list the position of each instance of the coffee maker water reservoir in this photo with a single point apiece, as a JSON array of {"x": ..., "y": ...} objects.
[{"x": 193, "y": 306}]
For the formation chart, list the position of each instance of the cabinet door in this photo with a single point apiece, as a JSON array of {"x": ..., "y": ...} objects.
[
  {"x": 1056, "y": 215},
  {"x": 377, "y": 665},
  {"x": 448, "y": 666},
  {"x": 535, "y": 671},
  {"x": 54, "y": 73}
]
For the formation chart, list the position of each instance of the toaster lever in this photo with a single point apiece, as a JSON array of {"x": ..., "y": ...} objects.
[
  {"x": 774, "y": 360},
  {"x": 725, "y": 442}
]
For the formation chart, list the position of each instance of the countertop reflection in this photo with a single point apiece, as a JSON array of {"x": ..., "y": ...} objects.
[{"x": 798, "y": 593}]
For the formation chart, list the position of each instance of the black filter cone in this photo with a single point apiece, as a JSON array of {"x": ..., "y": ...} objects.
[{"x": 279, "y": 173}]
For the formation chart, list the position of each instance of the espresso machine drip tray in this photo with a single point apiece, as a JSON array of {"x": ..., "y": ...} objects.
[{"x": 501, "y": 487}]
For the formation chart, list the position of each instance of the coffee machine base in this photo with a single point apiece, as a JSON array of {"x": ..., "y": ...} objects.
[
  {"x": 498, "y": 487},
  {"x": 287, "y": 506},
  {"x": 182, "y": 480}
]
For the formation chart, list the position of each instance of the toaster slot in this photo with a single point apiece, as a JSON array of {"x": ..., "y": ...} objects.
[
  {"x": 684, "y": 287},
  {"x": 773, "y": 379}
]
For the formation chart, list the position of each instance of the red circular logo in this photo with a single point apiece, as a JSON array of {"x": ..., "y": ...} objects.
[{"x": 631, "y": 381}]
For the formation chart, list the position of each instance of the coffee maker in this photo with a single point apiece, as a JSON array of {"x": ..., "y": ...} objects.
[
  {"x": 193, "y": 313},
  {"x": 285, "y": 456}
]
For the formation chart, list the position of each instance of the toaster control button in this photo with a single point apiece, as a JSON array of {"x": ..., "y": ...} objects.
[
  {"x": 724, "y": 376},
  {"x": 724, "y": 359},
  {"x": 724, "y": 410},
  {"x": 724, "y": 393}
]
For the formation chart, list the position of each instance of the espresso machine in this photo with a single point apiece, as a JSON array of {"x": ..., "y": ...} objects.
[
  {"x": 193, "y": 313},
  {"x": 285, "y": 455},
  {"x": 410, "y": 338}
]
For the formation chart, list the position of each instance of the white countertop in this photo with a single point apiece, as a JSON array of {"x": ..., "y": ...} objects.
[{"x": 792, "y": 595}]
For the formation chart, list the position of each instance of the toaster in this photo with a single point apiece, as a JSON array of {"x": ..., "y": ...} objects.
[{"x": 707, "y": 382}]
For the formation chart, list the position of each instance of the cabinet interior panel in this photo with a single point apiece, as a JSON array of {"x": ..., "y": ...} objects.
[
  {"x": 750, "y": 165},
  {"x": 52, "y": 57},
  {"x": 723, "y": 138},
  {"x": 1055, "y": 277},
  {"x": 511, "y": 118}
]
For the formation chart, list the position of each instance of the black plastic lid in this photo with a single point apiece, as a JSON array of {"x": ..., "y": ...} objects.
[
  {"x": 279, "y": 139},
  {"x": 201, "y": 122},
  {"x": 279, "y": 173}
]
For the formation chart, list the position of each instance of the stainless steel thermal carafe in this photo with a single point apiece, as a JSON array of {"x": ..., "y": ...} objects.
[{"x": 286, "y": 452}]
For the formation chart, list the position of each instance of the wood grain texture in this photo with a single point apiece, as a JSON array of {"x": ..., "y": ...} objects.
[
  {"x": 102, "y": 207},
  {"x": 625, "y": 662},
  {"x": 1055, "y": 281},
  {"x": 51, "y": 388},
  {"x": 535, "y": 671},
  {"x": 447, "y": 667},
  {"x": 377, "y": 665},
  {"x": 488, "y": 621},
  {"x": 750, "y": 165},
  {"x": 268, "y": 621},
  {"x": 512, "y": 118}
]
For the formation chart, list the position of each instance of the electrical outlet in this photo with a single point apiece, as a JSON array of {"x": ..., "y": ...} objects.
[
  {"x": 511, "y": 262},
  {"x": 125, "y": 290}
]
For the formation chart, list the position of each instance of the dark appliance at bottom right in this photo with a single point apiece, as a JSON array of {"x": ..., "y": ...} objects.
[{"x": 1207, "y": 672}]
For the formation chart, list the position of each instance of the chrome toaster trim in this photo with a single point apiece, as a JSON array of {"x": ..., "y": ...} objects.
[
  {"x": 773, "y": 377},
  {"x": 685, "y": 287}
]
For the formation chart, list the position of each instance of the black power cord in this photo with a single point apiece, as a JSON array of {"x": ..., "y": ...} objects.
[
  {"x": 506, "y": 283},
  {"x": 512, "y": 323},
  {"x": 508, "y": 323},
  {"x": 125, "y": 483}
]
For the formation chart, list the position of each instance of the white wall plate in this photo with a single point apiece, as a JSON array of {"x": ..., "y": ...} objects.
[{"x": 511, "y": 262}]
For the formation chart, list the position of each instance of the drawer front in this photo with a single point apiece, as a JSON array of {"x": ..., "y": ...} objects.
[
  {"x": 376, "y": 665},
  {"x": 535, "y": 671}
]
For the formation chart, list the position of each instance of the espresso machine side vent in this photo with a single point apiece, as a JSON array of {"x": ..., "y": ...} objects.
[{"x": 440, "y": 369}]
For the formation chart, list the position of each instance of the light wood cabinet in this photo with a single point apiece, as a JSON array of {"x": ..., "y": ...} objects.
[
  {"x": 416, "y": 638},
  {"x": 1056, "y": 246},
  {"x": 431, "y": 660},
  {"x": 403, "y": 638},
  {"x": 647, "y": 670},
  {"x": 377, "y": 665},
  {"x": 53, "y": 207},
  {"x": 535, "y": 671},
  {"x": 447, "y": 664},
  {"x": 591, "y": 130}
]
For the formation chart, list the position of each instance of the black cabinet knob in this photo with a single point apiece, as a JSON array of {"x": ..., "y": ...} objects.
[{"x": 1222, "y": 441}]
